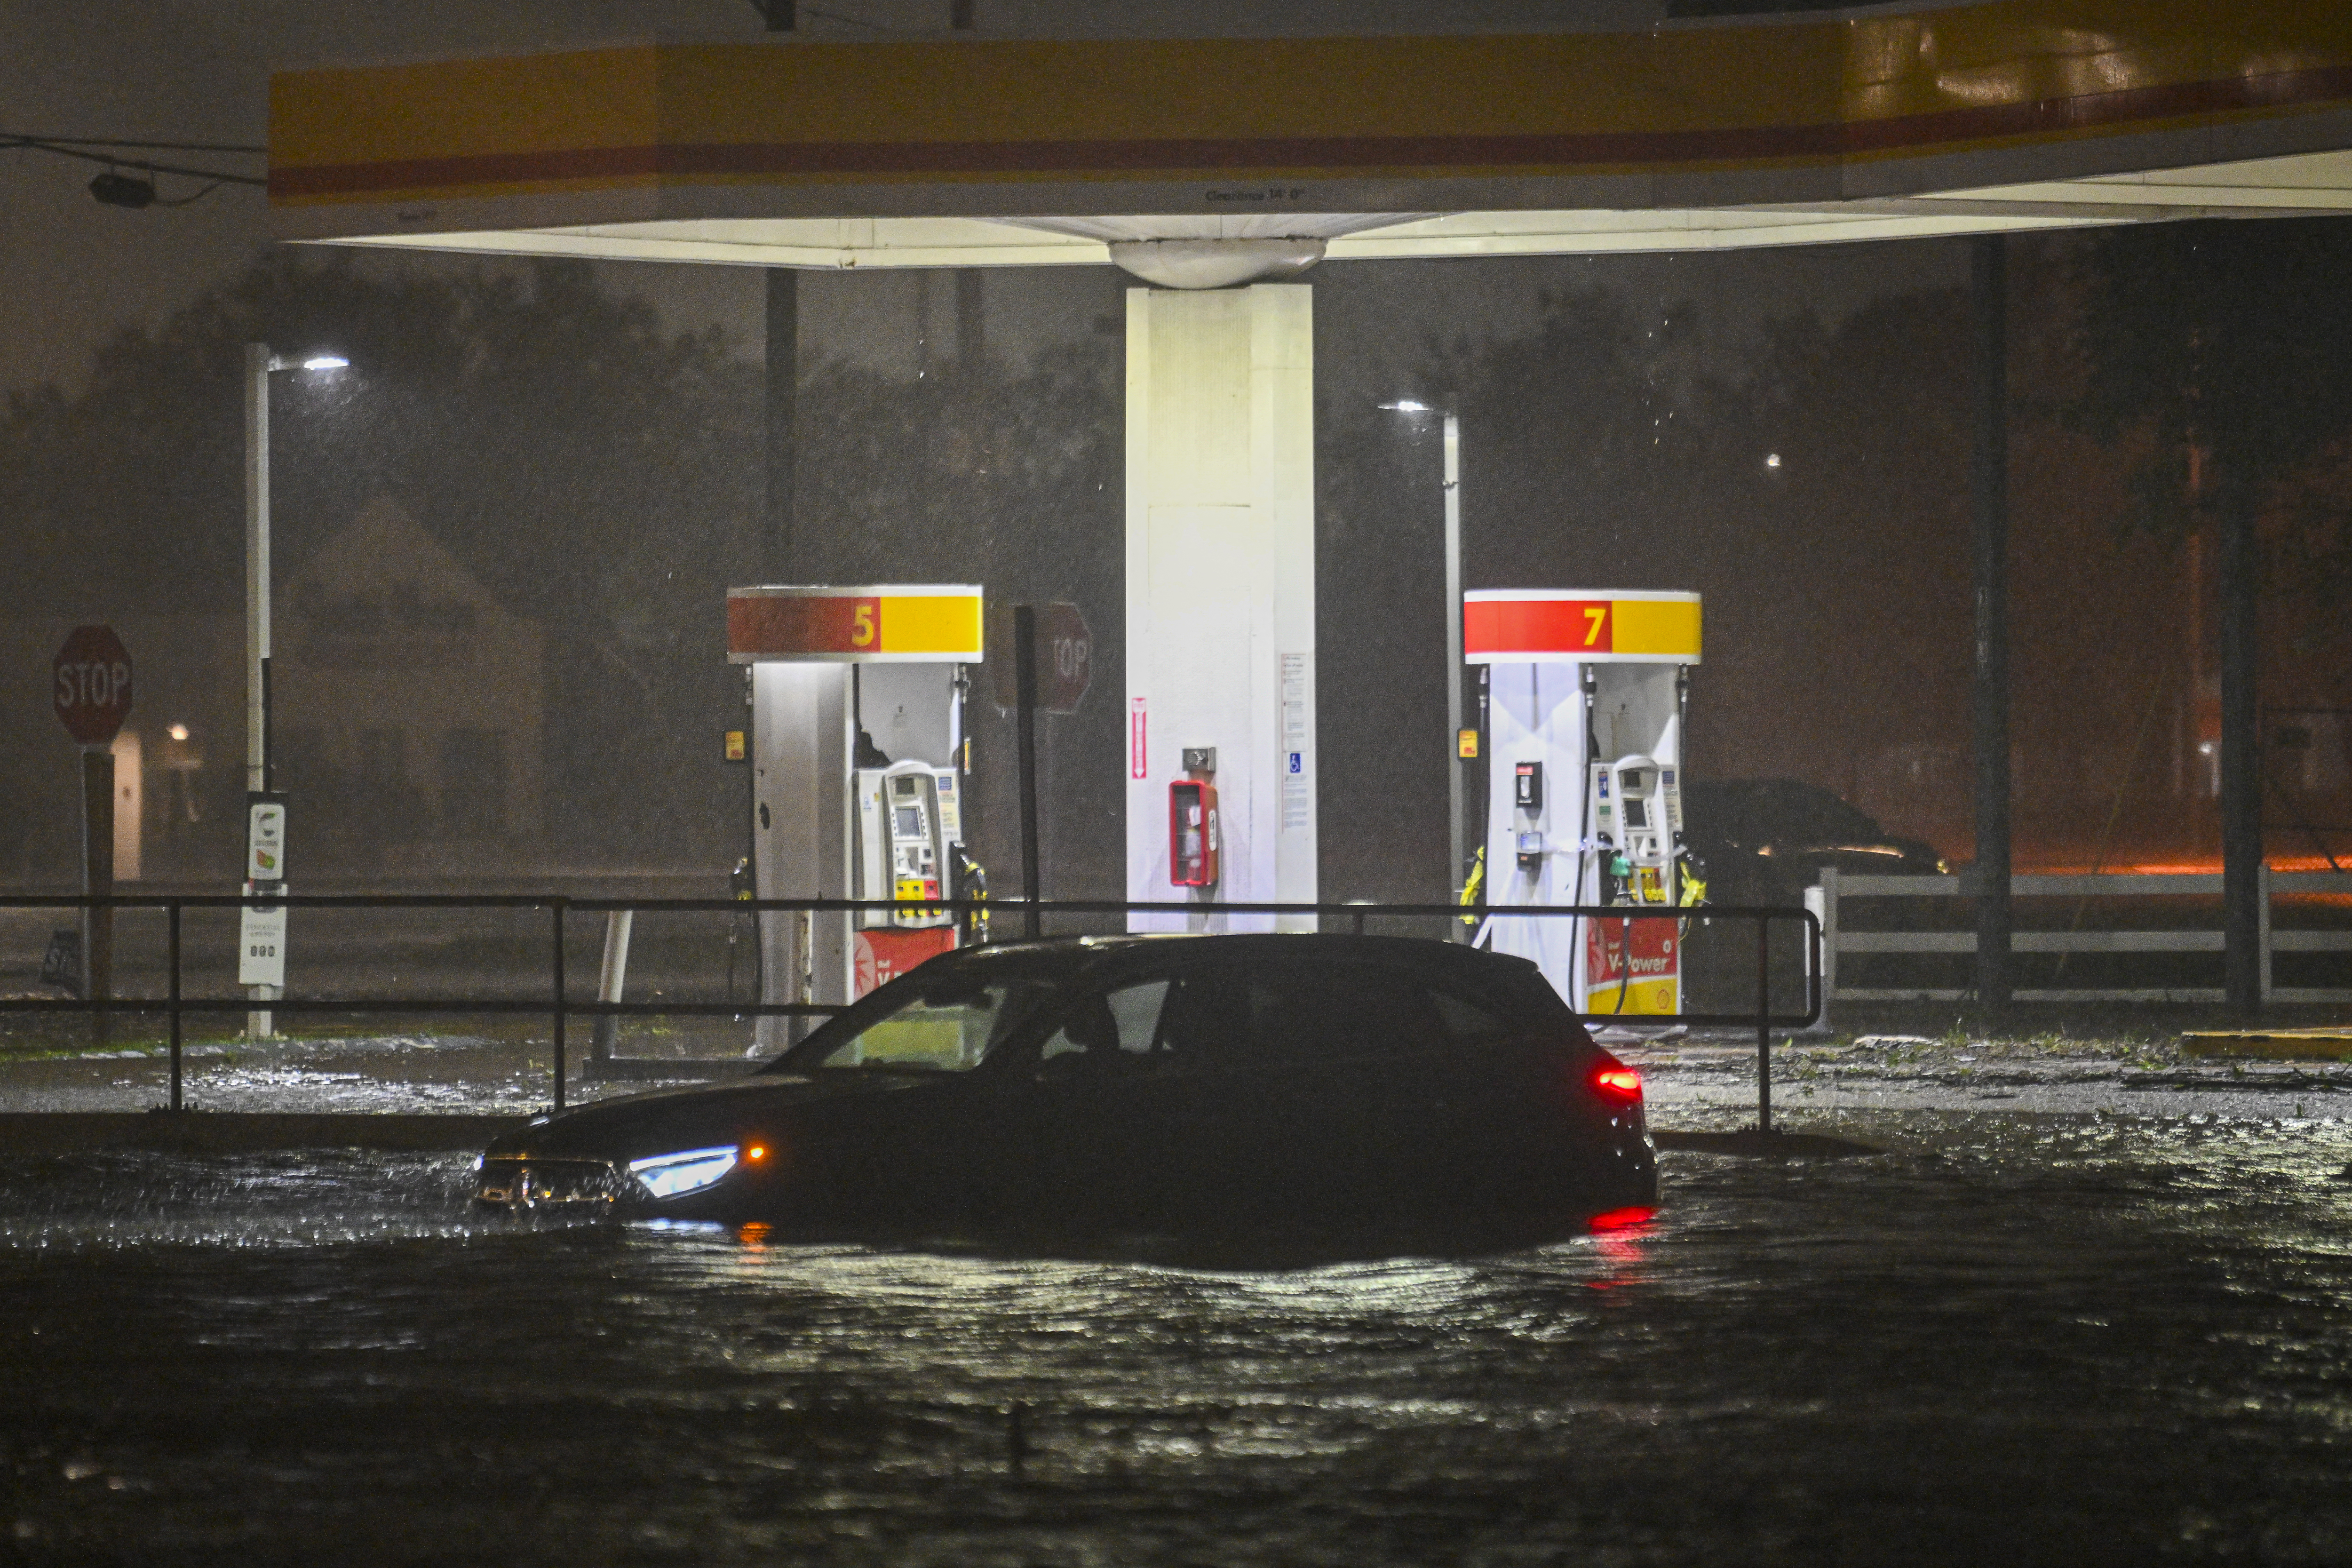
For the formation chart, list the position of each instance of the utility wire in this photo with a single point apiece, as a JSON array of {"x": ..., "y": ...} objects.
[
  {"x": 117, "y": 141},
  {"x": 63, "y": 149},
  {"x": 184, "y": 201}
]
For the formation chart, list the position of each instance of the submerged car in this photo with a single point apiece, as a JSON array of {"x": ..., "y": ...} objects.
[
  {"x": 1765, "y": 841},
  {"x": 1179, "y": 1085}
]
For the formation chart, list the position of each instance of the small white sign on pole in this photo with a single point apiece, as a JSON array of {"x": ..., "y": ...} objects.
[
  {"x": 265, "y": 841},
  {"x": 261, "y": 927},
  {"x": 261, "y": 945}
]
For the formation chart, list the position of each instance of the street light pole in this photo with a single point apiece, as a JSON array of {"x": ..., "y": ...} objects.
[
  {"x": 257, "y": 567},
  {"x": 259, "y": 363},
  {"x": 1454, "y": 662}
]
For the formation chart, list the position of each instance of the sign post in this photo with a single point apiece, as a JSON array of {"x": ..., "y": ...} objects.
[
  {"x": 1024, "y": 709},
  {"x": 1051, "y": 667},
  {"x": 90, "y": 686}
]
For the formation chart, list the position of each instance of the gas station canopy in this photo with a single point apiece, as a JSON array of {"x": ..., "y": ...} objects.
[{"x": 1879, "y": 121}]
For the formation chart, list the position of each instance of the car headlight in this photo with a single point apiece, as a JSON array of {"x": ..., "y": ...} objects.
[{"x": 688, "y": 1170}]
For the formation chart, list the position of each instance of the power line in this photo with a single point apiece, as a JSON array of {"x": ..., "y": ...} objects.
[
  {"x": 119, "y": 142},
  {"x": 38, "y": 144},
  {"x": 80, "y": 148}
]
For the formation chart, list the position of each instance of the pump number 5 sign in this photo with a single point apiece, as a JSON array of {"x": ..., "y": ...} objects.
[{"x": 878, "y": 623}]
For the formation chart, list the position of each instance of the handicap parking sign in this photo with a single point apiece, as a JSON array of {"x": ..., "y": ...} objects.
[{"x": 1294, "y": 762}]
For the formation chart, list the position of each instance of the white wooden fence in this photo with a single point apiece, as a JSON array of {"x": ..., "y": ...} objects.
[{"x": 1838, "y": 938}]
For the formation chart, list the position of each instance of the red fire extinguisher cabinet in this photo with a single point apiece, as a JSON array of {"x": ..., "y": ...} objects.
[{"x": 1192, "y": 833}]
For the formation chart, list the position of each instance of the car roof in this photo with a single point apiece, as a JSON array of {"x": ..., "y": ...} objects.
[{"x": 1086, "y": 954}]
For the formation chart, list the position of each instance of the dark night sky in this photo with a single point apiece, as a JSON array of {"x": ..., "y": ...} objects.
[{"x": 72, "y": 272}]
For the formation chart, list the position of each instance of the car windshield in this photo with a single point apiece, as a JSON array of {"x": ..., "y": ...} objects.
[{"x": 947, "y": 1029}]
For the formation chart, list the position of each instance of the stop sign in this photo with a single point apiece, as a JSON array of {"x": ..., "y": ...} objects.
[
  {"x": 1066, "y": 658},
  {"x": 91, "y": 684}
]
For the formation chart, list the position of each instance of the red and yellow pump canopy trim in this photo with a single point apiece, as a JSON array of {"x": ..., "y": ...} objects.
[
  {"x": 883, "y": 624},
  {"x": 1778, "y": 94},
  {"x": 1579, "y": 626}
]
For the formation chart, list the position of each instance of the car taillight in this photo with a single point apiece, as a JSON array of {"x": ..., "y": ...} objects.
[
  {"x": 1613, "y": 1080},
  {"x": 1621, "y": 1219}
]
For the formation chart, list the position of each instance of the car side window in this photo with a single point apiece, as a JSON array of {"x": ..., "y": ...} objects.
[
  {"x": 1293, "y": 1013},
  {"x": 1136, "y": 1010},
  {"x": 1207, "y": 1017},
  {"x": 1121, "y": 1024},
  {"x": 1466, "y": 1021}
]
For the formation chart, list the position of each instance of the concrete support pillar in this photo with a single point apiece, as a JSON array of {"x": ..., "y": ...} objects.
[
  {"x": 1221, "y": 588},
  {"x": 1989, "y": 493},
  {"x": 782, "y": 455},
  {"x": 2242, "y": 777}
]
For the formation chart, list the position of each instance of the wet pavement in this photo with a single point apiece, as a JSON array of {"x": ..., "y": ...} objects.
[
  {"x": 1701, "y": 1079},
  {"x": 1820, "y": 1083},
  {"x": 2109, "y": 1320}
]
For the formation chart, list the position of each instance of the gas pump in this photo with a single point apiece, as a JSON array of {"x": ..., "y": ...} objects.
[
  {"x": 858, "y": 776},
  {"x": 909, "y": 827},
  {"x": 1588, "y": 685},
  {"x": 1635, "y": 808},
  {"x": 1636, "y": 811}
]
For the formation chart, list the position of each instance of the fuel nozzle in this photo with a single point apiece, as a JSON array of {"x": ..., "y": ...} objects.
[{"x": 972, "y": 886}]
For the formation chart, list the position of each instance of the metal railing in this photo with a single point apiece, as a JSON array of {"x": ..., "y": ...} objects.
[
  {"x": 1841, "y": 937},
  {"x": 559, "y": 1006}
]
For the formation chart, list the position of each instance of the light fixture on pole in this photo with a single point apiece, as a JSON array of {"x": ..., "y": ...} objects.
[
  {"x": 1453, "y": 791},
  {"x": 261, "y": 948},
  {"x": 123, "y": 190}
]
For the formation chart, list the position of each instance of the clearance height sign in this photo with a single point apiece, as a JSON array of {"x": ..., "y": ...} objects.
[{"x": 931, "y": 624}]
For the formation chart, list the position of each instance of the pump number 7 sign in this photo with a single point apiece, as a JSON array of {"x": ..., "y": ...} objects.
[
  {"x": 1571, "y": 626},
  {"x": 1554, "y": 626}
]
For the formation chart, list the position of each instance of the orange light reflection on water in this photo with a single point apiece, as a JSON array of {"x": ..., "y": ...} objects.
[{"x": 2208, "y": 867}]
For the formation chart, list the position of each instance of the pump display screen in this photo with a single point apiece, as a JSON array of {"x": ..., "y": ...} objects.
[
  {"x": 1637, "y": 812},
  {"x": 911, "y": 821}
]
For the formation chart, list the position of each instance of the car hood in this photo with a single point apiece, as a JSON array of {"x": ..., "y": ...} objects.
[
  {"x": 669, "y": 1119},
  {"x": 1898, "y": 853}
]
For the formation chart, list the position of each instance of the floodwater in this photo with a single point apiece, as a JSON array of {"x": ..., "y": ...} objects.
[{"x": 2015, "y": 1339}]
